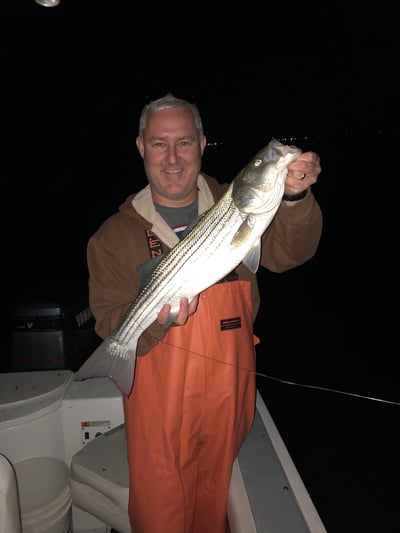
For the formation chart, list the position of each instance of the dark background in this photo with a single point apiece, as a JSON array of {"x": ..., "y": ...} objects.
[{"x": 73, "y": 81}]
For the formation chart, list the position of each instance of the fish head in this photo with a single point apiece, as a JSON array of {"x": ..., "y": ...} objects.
[{"x": 260, "y": 185}]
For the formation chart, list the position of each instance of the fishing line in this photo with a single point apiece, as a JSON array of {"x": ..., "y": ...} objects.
[
  {"x": 284, "y": 381},
  {"x": 336, "y": 391}
]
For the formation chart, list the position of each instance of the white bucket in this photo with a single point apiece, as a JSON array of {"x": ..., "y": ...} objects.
[{"x": 45, "y": 500}]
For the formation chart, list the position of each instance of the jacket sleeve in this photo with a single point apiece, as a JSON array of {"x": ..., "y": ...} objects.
[
  {"x": 113, "y": 285},
  {"x": 293, "y": 236}
]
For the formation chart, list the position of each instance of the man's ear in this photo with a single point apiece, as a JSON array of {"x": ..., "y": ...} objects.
[
  {"x": 203, "y": 143},
  {"x": 140, "y": 146}
]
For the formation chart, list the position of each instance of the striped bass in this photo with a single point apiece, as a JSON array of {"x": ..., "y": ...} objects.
[{"x": 226, "y": 235}]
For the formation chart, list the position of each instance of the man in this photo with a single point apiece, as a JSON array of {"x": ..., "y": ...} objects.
[{"x": 193, "y": 397}]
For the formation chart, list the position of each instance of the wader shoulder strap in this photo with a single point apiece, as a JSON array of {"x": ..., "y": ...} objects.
[{"x": 154, "y": 244}]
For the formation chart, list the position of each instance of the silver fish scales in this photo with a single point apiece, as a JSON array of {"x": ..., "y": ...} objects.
[{"x": 226, "y": 235}]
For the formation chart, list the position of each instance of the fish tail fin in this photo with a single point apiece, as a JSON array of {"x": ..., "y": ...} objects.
[{"x": 103, "y": 363}]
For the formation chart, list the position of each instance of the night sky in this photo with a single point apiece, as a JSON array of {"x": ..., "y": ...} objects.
[{"x": 75, "y": 77}]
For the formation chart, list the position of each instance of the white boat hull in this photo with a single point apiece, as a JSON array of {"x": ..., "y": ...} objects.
[{"x": 266, "y": 493}]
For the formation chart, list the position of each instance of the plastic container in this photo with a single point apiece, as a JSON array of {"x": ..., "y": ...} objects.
[
  {"x": 45, "y": 500},
  {"x": 31, "y": 421}
]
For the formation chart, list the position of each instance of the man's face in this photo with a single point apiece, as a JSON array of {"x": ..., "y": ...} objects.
[{"x": 171, "y": 152}]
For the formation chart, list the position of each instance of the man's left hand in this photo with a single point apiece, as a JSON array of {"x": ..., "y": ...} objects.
[{"x": 302, "y": 173}]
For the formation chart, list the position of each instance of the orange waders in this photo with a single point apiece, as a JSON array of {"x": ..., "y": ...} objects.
[{"x": 190, "y": 409}]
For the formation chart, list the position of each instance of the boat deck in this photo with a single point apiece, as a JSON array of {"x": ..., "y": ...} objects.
[
  {"x": 267, "y": 494},
  {"x": 266, "y": 481}
]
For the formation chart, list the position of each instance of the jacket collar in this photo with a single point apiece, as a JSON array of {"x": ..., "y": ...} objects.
[{"x": 143, "y": 203}]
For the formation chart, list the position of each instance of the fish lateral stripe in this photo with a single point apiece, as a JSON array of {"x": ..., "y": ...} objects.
[{"x": 226, "y": 235}]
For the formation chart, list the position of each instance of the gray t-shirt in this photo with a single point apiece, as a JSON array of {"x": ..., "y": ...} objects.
[{"x": 178, "y": 218}]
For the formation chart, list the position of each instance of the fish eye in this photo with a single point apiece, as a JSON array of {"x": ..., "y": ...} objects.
[{"x": 257, "y": 162}]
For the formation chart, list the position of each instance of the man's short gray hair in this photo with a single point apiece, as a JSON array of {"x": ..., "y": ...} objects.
[{"x": 169, "y": 101}]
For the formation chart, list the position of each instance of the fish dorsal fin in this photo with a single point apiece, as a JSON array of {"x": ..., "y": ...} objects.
[
  {"x": 146, "y": 269},
  {"x": 193, "y": 223}
]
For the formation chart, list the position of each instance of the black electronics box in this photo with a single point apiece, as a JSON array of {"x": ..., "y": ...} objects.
[{"x": 52, "y": 335}]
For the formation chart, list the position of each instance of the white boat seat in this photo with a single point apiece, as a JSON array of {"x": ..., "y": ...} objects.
[
  {"x": 10, "y": 519},
  {"x": 99, "y": 479}
]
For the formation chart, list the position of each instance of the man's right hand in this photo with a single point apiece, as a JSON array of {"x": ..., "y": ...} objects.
[{"x": 185, "y": 311}]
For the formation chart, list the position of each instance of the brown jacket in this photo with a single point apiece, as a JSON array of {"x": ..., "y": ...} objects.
[{"x": 121, "y": 244}]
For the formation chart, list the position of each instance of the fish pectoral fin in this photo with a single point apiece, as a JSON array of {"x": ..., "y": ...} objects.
[
  {"x": 252, "y": 258},
  {"x": 244, "y": 232},
  {"x": 146, "y": 269}
]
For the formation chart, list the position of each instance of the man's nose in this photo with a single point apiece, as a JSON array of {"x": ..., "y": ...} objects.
[{"x": 172, "y": 153}]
